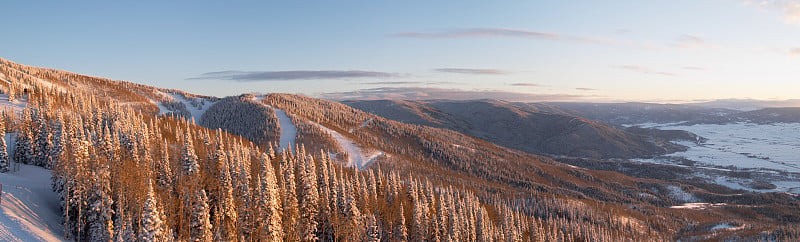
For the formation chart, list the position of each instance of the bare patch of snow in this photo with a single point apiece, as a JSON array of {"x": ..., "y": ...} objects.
[{"x": 29, "y": 209}]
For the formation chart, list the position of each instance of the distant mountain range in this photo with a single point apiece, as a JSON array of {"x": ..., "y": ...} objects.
[
  {"x": 620, "y": 114},
  {"x": 534, "y": 128}
]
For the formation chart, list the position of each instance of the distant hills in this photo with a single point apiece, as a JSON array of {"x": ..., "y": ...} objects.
[{"x": 533, "y": 128}]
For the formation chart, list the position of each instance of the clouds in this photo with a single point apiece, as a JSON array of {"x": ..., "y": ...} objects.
[
  {"x": 526, "y": 84},
  {"x": 789, "y": 9},
  {"x": 472, "y": 71},
  {"x": 794, "y": 51},
  {"x": 688, "y": 41},
  {"x": 585, "y": 89},
  {"x": 250, "y": 76},
  {"x": 646, "y": 70},
  {"x": 695, "y": 68},
  {"x": 478, "y": 33},
  {"x": 420, "y": 93},
  {"x": 462, "y": 33}
]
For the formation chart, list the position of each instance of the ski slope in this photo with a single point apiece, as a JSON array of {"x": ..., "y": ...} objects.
[
  {"x": 195, "y": 112},
  {"x": 29, "y": 209},
  {"x": 355, "y": 155},
  {"x": 287, "y": 129}
]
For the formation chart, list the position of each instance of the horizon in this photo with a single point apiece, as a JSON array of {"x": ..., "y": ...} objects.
[{"x": 651, "y": 52}]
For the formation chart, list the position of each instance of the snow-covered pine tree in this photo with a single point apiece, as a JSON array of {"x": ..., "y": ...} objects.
[
  {"x": 289, "y": 191},
  {"x": 4, "y": 161},
  {"x": 101, "y": 227},
  {"x": 151, "y": 228},
  {"x": 164, "y": 170},
  {"x": 188, "y": 156},
  {"x": 226, "y": 208},
  {"x": 309, "y": 202},
  {"x": 23, "y": 152},
  {"x": 200, "y": 219},
  {"x": 56, "y": 141},
  {"x": 400, "y": 232},
  {"x": 373, "y": 231},
  {"x": 269, "y": 201},
  {"x": 41, "y": 144}
]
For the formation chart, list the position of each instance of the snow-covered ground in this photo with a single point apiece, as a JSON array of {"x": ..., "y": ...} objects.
[
  {"x": 15, "y": 106},
  {"x": 288, "y": 130},
  {"x": 355, "y": 155},
  {"x": 196, "y": 112},
  {"x": 772, "y": 150},
  {"x": 745, "y": 145},
  {"x": 29, "y": 209},
  {"x": 698, "y": 206}
]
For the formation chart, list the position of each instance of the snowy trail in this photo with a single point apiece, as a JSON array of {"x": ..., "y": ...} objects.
[
  {"x": 196, "y": 113},
  {"x": 355, "y": 156},
  {"x": 29, "y": 210},
  {"x": 288, "y": 130}
]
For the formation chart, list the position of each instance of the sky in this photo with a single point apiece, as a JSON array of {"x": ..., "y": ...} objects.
[{"x": 627, "y": 50}]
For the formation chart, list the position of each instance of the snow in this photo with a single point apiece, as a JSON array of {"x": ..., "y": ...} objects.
[
  {"x": 745, "y": 145},
  {"x": 15, "y": 106},
  {"x": 770, "y": 152},
  {"x": 699, "y": 206},
  {"x": 726, "y": 226},
  {"x": 355, "y": 156},
  {"x": 195, "y": 112},
  {"x": 288, "y": 130},
  {"x": 29, "y": 209},
  {"x": 677, "y": 193}
]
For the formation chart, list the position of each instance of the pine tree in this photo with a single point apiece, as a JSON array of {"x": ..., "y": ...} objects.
[
  {"x": 373, "y": 233},
  {"x": 200, "y": 220},
  {"x": 22, "y": 151},
  {"x": 101, "y": 227},
  {"x": 226, "y": 208},
  {"x": 152, "y": 228},
  {"x": 41, "y": 147},
  {"x": 164, "y": 168},
  {"x": 400, "y": 230},
  {"x": 309, "y": 203},
  {"x": 56, "y": 142},
  {"x": 188, "y": 157},
  {"x": 289, "y": 188},
  {"x": 269, "y": 202},
  {"x": 4, "y": 161}
]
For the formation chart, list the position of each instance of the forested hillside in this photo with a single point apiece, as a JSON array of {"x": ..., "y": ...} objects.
[
  {"x": 132, "y": 162},
  {"x": 534, "y": 128}
]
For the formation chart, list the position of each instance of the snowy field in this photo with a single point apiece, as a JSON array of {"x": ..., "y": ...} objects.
[
  {"x": 770, "y": 149},
  {"x": 29, "y": 209}
]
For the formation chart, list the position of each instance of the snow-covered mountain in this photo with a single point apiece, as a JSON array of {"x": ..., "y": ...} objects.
[{"x": 130, "y": 161}]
